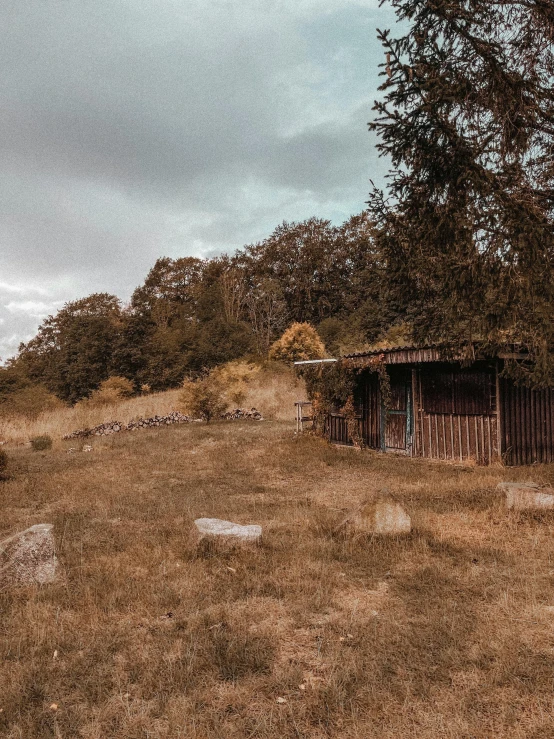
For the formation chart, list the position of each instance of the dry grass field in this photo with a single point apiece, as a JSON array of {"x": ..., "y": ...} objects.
[
  {"x": 274, "y": 394},
  {"x": 446, "y": 632}
]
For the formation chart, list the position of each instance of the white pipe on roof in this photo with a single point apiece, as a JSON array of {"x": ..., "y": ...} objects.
[{"x": 316, "y": 361}]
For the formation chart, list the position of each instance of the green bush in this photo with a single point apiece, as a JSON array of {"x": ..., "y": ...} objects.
[
  {"x": 40, "y": 443},
  {"x": 234, "y": 378}
]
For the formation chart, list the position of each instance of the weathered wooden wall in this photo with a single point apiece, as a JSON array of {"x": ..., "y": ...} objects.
[
  {"x": 527, "y": 424},
  {"x": 456, "y": 437},
  {"x": 455, "y": 414},
  {"x": 338, "y": 429},
  {"x": 369, "y": 398},
  {"x": 367, "y": 401}
]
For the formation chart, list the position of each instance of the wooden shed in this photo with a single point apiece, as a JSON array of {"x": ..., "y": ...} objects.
[{"x": 447, "y": 410}]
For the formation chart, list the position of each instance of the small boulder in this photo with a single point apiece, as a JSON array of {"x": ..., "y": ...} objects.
[
  {"x": 227, "y": 529},
  {"x": 29, "y": 557},
  {"x": 526, "y": 495},
  {"x": 380, "y": 515}
]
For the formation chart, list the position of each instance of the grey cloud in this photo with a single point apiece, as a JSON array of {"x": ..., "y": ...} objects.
[{"x": 134, "y": 130}]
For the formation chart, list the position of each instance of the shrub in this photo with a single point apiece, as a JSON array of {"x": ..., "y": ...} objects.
[
  {"x": 299, "y": 342},
  {"x": 204, "y": 398},
  {"x": 40, "y": 443},
  {"x": 3, "y": 462},
  {"x": 234, "y": 378},
  {"x": 30, "y": 401},
  {"x": 111, "y": 391}
]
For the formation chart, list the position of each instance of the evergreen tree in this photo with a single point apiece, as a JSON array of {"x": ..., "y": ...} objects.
[{"x": 467, "y": 119}]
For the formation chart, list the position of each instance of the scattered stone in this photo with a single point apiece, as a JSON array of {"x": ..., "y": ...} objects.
[
  {"x": 527, "y": 495},
  {"x": 71, "y": 450},
  {"x": 102, "y": 430},
  {"x": 379, "y": 515},
  {"x": 171, "y": 418},
  {"x": 87, "y": 448},
  {"x": 228, "y": 529},
  {"x": 240, "y": 414},
  {"x": 29, "y": 557},
  {"x": 114, "y": 427}
]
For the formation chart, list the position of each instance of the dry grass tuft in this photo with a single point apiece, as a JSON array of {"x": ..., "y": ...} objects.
[
  {"x": 446, "y": 632},
  {"x": 274, "y": 394}
]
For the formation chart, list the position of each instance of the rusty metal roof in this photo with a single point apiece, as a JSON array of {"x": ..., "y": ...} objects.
[
  {"x": 383, "y": 349},
  {"x": 412, "y": 354},
  {"x": 407, "y": 354}
]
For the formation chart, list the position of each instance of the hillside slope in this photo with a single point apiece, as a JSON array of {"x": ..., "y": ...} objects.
[
  {"x": 444, "y": 632},
  {"x": 272, "y": 393}
]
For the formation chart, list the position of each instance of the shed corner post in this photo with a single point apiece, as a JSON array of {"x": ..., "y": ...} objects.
[
  {"x": 414, "y": 425},
  {"x": 382, "y": 419},
  {"x": 499, "y": 449}
]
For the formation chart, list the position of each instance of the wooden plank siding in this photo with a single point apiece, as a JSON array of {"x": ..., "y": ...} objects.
[
  {"x": 527, "y": 424},
  {"x": 456, "y": 437},
  {"x": 458, "y": 412},
  {"x": 338, "y": 431},
  {"x": 454, "y": 413},
  {"x": 469, "y": 434},
  {"x": 369, "y": 397}
]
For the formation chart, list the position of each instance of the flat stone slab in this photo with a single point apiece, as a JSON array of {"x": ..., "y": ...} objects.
[
  {"x": 228, "y": 529},
  {"x": 526, "y": 495},
  {"x": 382, "y": 515},
  {"x": 29, "y": 557}
]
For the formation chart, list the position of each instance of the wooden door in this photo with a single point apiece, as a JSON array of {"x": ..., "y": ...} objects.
[{"x": 397, "y": 417}]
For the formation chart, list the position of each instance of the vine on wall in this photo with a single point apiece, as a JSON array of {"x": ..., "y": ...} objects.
[
  {"x": 329, "y": 386},
  {"x": 332, "y": 387}
]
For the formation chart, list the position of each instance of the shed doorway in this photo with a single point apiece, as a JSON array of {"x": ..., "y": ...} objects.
[{"x": 396, "y": 419}]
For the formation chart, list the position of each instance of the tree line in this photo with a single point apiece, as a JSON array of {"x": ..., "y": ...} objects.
[
  {"x": 459, "y": 247},
  {"x": 192, "y": 314}
]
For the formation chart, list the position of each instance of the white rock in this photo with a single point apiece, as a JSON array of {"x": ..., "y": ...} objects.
[
  {"x": 29, "y": 557},
  {"x": 526, "y": 495},
  {"x": 380, "y": 515},
  {"x": 228, "y": 529},
  {"x": 391, "y": 518}
]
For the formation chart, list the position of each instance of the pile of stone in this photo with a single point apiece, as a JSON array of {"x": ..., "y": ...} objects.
[
  {"x": 242, "y": 413},
  {"x": 103, "y": 429},
  {"x": 173, "y": 417},
  {"x": 114, "y": 427}
]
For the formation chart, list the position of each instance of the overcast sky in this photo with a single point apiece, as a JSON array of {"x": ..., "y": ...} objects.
[{"x": 135, "y": 129}]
